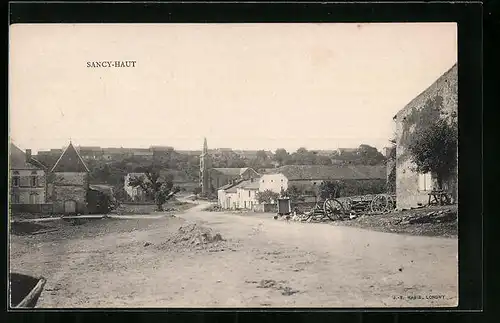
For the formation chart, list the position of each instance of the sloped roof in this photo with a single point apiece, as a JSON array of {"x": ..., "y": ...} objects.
[
  {"x": 106, "y": 189},
  {"x": 231, "y": 187},
  {"x": 17, "y": 159},
  {"x": 249, "y": 184},
  {"x": 311, "y": 172},
  {"x": 136, "y": 174},
  {"x": 90, "y": 148},
  {"x": 70, "y": 161},
  {"x": 232, "y": 171},
  {"x": 228, "y": 171}
]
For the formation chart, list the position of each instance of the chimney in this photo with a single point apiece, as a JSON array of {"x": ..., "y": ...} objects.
[{"x": 28, "y": 155}]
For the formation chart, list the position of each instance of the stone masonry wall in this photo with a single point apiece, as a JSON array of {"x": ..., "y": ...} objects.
[
  {"x": 407, "y": 185},
  {"x": 67, "y": 187}
]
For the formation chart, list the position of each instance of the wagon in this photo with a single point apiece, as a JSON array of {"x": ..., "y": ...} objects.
[
  {"x": 25, "y": 290},
  {"x": 373, "y": 203},
  {"x": 343, "y": 207}
]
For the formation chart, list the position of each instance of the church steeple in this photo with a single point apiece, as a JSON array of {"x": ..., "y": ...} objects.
[
  {"x": 205, "y": 146},
  {"x": 204, "y": 169}
]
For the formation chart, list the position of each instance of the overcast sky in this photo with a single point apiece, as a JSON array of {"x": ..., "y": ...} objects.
[{"x": 243, "y": 86}]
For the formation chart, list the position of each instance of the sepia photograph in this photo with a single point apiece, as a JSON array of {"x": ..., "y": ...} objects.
[{"x": 236, "y": 165}]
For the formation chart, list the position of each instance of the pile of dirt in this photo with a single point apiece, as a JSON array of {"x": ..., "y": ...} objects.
[{"x": 195, "y": 236}]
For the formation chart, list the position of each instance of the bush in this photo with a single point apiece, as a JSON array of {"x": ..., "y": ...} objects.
[{"x": 213, "y": 208}]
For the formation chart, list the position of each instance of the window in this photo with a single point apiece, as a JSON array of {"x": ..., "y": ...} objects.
[
  {"x": 34, "y": 198},
  {"x": 249, "y": 193},
  {"x": 425, "y": 182},
  {"x": 15, "y": 198},
  {"x": 272, "y": 181},
  {"x": 33, "y": 179},
  {"x": 15, "y": 179}
]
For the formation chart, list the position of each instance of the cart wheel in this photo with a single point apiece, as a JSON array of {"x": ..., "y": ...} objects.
[
  {"x": 347, "y": 203},
  {"x": 380, "y": 203},
  {"x": 391, "y": 203},
  {"x": 333, "y": 209}
]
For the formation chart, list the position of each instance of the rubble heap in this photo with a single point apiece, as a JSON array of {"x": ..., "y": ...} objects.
[
  {"x": 194, "y": 236},
  {"x": 440, "y": 216}
]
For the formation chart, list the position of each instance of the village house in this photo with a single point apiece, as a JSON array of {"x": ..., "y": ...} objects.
[
  {"x": 240, "y": 194},
  {"x": 28, "y": 177},
  {"x": 308, "y": 177},
  {"x": 90, "y": 153},
  {"x": 222, "y": 176},
  {"x": 344, "y": 151},
  {"x": 227, "y": 196},
  {"x": 412, "y": 188},
  {"x": 142, "y": 153},
  {"x": 246, "y": 192},
  {"x": 68, "y": 183},
  {"x": 134, "y": 193},
  {"x": 113, "y": 153}
]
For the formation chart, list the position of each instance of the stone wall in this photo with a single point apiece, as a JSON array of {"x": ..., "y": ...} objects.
[
  {"x": 69, "y": 187},
  {"x": 444, "y": 90},
  {"x": 25, "y": 187}
]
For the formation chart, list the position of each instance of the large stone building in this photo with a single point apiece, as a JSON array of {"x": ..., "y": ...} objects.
[
  {"x": 412, "y": 188},
  {"x": 69, "y": 183},
  {"x": 309, "y": 177},
  {"x": 28, "y": 177}
]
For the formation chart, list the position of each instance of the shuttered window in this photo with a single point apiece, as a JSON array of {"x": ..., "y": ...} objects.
[{"x": 425, "y": 182}]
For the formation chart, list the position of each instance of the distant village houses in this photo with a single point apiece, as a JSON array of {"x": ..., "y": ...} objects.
[{"x": 242, "y": 194}]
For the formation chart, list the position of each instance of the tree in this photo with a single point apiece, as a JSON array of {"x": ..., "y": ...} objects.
[
  {"x": 294, "y": 193},
  {"x": 330, "y": 189},
  {"x": 157, "y": 187},
  {"x": 262, "y": 156},
  {"x": 281, "y": 156},
  {"x": 434, "y": 149},
  {"x": 266, "y": 196},
  {"x": 391, "y": 164},
  {"x": 368, "y": 155}
]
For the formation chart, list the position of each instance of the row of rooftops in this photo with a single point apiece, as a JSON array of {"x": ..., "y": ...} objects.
[
  {"x": 313, "y": 172},
  {"x": 249, "y": 184},
  {"x": 84, "y": 150},
  {"x": 96, "y": 150}
]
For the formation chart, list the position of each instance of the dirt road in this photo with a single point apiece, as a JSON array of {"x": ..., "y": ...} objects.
[{"x": 268, "y": 263}]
